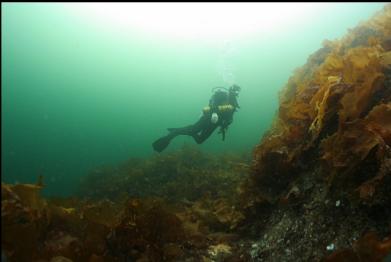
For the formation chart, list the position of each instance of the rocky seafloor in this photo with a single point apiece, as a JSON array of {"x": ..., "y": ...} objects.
[{"x": 316, "y": 188}]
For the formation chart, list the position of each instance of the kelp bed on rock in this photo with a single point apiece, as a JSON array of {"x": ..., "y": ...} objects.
[
  {"x": 335, "y": 110},
  {"x": 318, "y": 188},
  {"x": 184, "y": 175},
  {"x": 170, "y": 207},
  {"x": 327, "y": 155}
]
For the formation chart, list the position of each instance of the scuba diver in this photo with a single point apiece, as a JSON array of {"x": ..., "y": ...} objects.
[{"x": 219, "y": 113}]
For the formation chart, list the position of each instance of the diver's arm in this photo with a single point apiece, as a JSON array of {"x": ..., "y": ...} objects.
[
  {"x": 227, "y": 120},
  {"x": 223, "y": 127},
  {"x": 226, "y": 123}
]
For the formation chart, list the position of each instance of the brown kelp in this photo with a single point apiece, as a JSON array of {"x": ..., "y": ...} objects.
[
  {"x": 186, "y": 174},
  {"x": 335, "y": 111},
  {"x": 192, "y": 210},
  {"x": 326, "y": 160}
]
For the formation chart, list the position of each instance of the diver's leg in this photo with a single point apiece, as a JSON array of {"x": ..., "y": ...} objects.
[
  {"x": 191, "y": 130},
  {"x": 205, "y": 133}
]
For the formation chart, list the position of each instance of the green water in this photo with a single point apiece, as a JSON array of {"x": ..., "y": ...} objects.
[{"x": 78, "y": 93}]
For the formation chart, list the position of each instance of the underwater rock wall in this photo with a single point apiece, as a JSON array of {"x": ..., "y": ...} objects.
[
  {"x": 320, "y": 182},
  {"x": 335, "y": 112}
]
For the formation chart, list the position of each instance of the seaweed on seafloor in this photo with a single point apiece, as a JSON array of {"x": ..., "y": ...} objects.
[
  {"x": 39, "y": 229},
  {"x": 130, "y": 217},
  {"x": 24, "y": 215},
  {"x": 215, "y": 214},
  {"x": 187, "y": 174},
  {"x": 146, "y": 230},
  {"x": 36, "y": 228}
]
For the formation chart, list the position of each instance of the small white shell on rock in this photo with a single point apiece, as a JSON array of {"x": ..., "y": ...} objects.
[{"x": 330, "y": 247}]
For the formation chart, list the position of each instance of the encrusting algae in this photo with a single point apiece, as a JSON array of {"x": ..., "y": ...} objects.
[{"x": 318, "y": 188}]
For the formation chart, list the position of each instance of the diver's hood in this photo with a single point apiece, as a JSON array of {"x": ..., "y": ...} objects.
[{"x": 234, "y": 89}]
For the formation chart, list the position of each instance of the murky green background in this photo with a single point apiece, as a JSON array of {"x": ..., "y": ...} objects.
[{"x": 78, "y": 93}]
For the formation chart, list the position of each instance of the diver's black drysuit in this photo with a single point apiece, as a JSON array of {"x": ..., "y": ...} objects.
[{"x": 204, "y": 127}]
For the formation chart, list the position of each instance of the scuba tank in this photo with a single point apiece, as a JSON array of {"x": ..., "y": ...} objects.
[
  {"x": 219, "y": 102},
  {"x": 219, "y": 97}
]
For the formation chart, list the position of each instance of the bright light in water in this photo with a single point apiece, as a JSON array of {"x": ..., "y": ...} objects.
[
  {"x": 202, "y": 20},
  {"x": 217, "y": 23}
]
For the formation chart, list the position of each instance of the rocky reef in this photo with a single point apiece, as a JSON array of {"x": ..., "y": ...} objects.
[
  {"x": 180, "y": 206},
  {"x": 317, "y": 187},
  {"x": 184, "y": 175},
  {"x": 325, "y": 165},
  {"x": 335, "y": 111}
]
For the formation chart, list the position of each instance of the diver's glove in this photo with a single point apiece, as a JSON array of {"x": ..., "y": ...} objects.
[
  {"x": 214, "y": 118},
  {"x": 222, "y": 132}
]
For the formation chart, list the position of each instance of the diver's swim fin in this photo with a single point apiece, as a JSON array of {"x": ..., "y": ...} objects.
[{"x": 160, "y": 144}]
